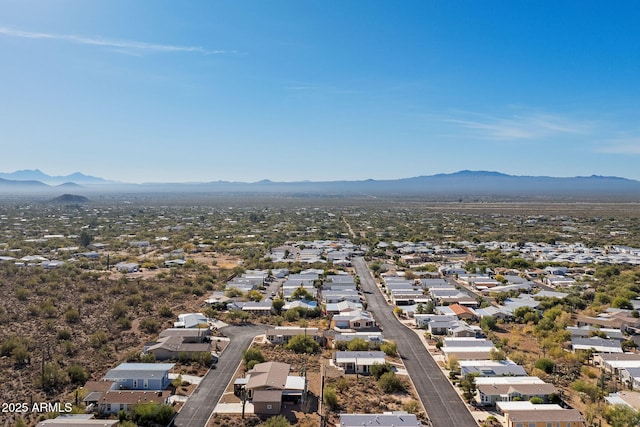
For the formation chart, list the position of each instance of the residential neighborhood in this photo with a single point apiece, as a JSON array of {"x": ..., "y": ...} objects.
[{"x": 311, "y": 313}]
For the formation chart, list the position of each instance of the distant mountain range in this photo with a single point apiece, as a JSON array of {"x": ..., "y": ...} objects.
[
  {"x": 463, "y": 185},
  {"x": 38, "y": 175}
]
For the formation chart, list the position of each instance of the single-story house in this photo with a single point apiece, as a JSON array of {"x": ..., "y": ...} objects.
[
  {"x": 354, "y": 320},
  {"x": 379, "y": 420},
  {"x": 269, "y": 384},
  {"x": 489, "y": 394},
  {"x": 282, "y": 334},
  {"x": 599, "y": 345},
  {"x": 114, "y": 401},
  {"x": 358, "y": 362},
  {"x": 78, "y": 420},
  {"x": 343, "y": 307},
  {"x": 491, "y": 368},
  {"x": 174, "y": 347},
  {"x": 191, "y": 320},
  {"x": 545, "y": 418},
  {"x": 140, "y": 376}
]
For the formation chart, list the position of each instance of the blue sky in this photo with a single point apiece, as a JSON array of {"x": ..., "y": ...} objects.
[{"x": 166, "y": 91}]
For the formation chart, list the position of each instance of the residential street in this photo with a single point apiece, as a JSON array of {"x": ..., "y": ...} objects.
[
  {"x": 444, "y": 406},
  {"x": 200, "y": 405}
]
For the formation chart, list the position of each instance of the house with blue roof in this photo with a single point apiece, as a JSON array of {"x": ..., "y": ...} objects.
[{"x": 140, "y": 376}]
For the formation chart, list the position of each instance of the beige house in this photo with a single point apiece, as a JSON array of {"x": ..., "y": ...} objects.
[
  {"x": 269, "y": 384},
  {"x": 545, "y": 418},
  {"x": 489, "y": 394}
]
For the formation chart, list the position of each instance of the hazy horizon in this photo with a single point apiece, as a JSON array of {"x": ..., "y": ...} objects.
[{"x": 155, "y": 91}]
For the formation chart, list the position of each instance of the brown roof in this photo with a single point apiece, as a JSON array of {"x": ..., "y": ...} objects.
[
  {"x": 460, "y": 309},
  {"x": 549, "y": 415},
  {"x": 267, "y": 396},
  {"x": 268, "y": 375},
  {"x": 130, "y": 397},
  {"x": 98, "y": 385}
]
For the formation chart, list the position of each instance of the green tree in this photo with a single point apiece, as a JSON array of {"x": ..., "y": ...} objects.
[
  {"x": 389, "y": 348},
  {"x": 277, "y": 305},
  {"x": 468, "y": 385},
  {"x": 301, "y": 294},
  {"x": 85, "y": 239},
  {"x": 303, "y": 344},
  {"x": 358, "y": 344},
  {"x": 488, "y": 323}
]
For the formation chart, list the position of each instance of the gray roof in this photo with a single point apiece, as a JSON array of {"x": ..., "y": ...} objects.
[
  {"x": 379, "y": 420},
  {"x": 139, "y": 371}
]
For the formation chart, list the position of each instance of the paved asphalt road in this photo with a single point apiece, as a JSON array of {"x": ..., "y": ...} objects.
[
  {"x": 200, "y": 405},
  {"x": 444, "y": 406}
]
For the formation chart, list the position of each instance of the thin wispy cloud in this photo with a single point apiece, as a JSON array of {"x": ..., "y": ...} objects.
[
  {"x": 110, "y": 43},
  {"x": 517, "y": 127},
  {"x": 629, "y": 146}
]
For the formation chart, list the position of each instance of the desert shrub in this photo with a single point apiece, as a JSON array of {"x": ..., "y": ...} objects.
[
  {"x": 123, "y": 323},
  {"x": 358, "y": 344},
  {"x": 330, "y": 398},
  {"x": 52, "y": 378},
  {"x": 69, "y": 348},
  {"x": 72, "y": 315},
  {"x": 342, "y": 384},
  {"x": 150, "y": 414},
  {"x": 22, "y": 294},
  {"x": 412, "y": 407},
  {"x": 252, "y": 354},
  {"x": 118, "y": 310},
  {"x": 389, "y": 382},
  {"x": 64, "y": 335},
  {"x": 150, "y": 326},
  {"x": 98, "y": 339},
  {"x": 621, "y": 416},
  {"x": 77, "y": 374},
  {"x": 21, "y": 355},
  {"x": 389, "y": 348},
  {"x": 546, "y": 365},
  {"x": 277, "y": 421},
  {"x": 378, "y": 369},
  {"x": 303, "y": 344},
  {"x": 10, "y": 344},
  {"x": 148, "y": 358},
  {"x": 165, "y": 311}
]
